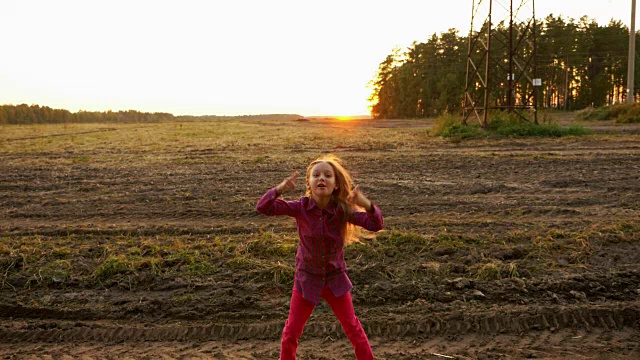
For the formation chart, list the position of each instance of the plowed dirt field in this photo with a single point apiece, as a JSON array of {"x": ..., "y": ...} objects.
[{"x": 130, "y": 241}]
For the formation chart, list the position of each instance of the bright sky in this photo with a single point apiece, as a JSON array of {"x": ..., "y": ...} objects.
[{"x": 231, "y": 57}]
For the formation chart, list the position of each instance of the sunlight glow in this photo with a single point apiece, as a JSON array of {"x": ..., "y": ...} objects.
[{"x": 221, "y": 57}]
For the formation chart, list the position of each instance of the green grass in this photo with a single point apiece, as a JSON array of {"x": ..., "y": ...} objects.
[
  {"x": 180, "y": 258},
  {"x": 110, "y": 267},
  {"x": 509, "y": 125},
  {"x": 202, "y": 268},
  {"x": 269, "y": 257},
  {"x": 269, "y": 244},
  {"x": 401, "y": 238},
  {"x": 489, "y": 271},
  {"x": 501, "y": 124},
  {"x": 57, "y": 271},
  {"x": 451, "y": 127},
  {"x": 620, "y": 113}
]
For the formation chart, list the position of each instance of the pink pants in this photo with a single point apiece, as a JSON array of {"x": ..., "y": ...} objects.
[{"x": 300, "y": 311}]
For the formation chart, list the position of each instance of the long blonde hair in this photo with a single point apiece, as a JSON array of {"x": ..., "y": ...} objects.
[{"x": 344, "y": 182}]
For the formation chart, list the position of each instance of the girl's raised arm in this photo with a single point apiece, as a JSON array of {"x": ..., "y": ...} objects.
[
  {"x": 372, "y": 219},
  {"x": 287, "y": 184},
  {"x": 270, "y": 205}
]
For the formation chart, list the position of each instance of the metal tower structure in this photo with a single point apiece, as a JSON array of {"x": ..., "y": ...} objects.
[{"x": 501, "y": 60}]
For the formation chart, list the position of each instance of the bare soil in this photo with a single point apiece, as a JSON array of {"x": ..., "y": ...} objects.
[{"x": 503, "y": 248}]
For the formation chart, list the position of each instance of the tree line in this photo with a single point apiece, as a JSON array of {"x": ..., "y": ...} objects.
[
  {"x": 36, "y": 114},
  {"x": 581, "y": 64}
]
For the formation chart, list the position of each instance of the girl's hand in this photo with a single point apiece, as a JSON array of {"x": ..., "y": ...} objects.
[
  {"x": 357, "y": 198},
  {"x": 287, "y": 184}
]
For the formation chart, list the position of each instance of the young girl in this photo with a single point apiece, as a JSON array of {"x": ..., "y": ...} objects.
[{"x": 326, "y": 218}]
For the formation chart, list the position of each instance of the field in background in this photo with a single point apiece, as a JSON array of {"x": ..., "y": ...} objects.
[{"x": 142, "y": 240}]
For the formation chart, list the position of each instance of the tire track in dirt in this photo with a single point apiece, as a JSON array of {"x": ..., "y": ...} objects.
[
  {"x": 587, "y": 317},
  {"x": 564, "y": 344}
]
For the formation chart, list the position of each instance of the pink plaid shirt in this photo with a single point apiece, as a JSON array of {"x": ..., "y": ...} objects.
[{"x": 320, "y": 256}]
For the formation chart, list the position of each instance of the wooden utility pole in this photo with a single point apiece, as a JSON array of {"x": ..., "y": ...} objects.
[{"x": 632, "y": 54}]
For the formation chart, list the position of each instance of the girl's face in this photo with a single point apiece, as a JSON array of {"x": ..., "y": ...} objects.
[{"x": 322, "y": 180}]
